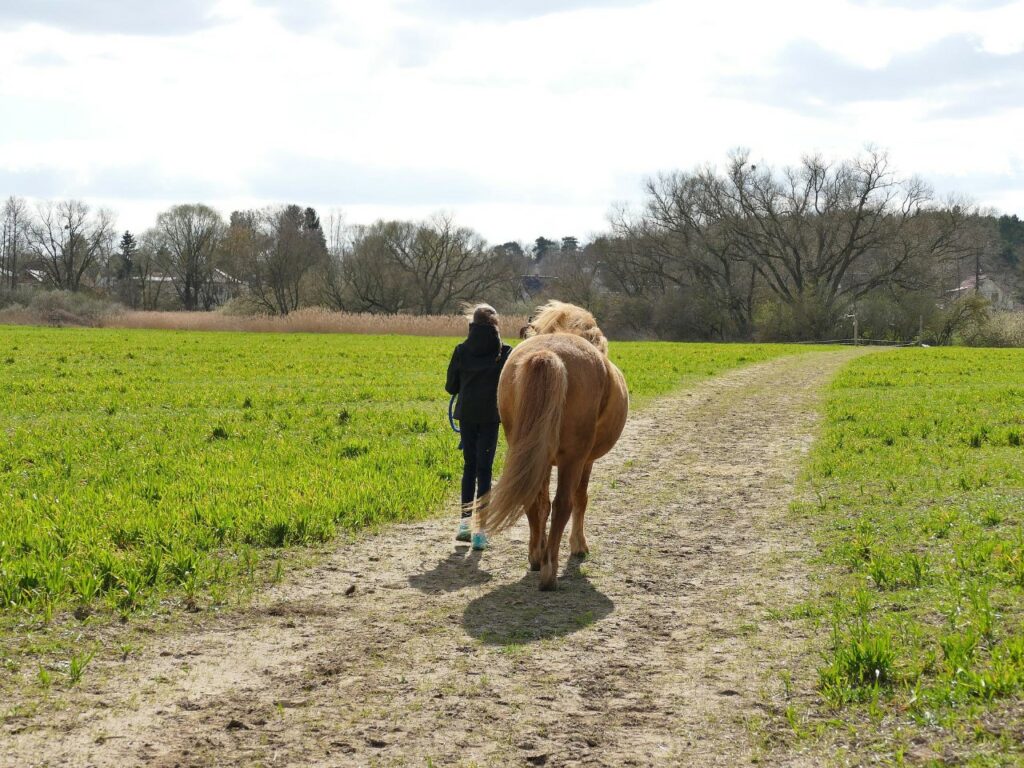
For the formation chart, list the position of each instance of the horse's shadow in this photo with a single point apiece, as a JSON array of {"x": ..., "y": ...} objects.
[
  {"x": 518, "y": 613},
  {"x": 459, "y": 570}
]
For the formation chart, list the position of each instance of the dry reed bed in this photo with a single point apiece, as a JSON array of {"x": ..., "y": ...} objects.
[
  {"x": 306, "y": 321},
  {"x": 20, "y": 316}
]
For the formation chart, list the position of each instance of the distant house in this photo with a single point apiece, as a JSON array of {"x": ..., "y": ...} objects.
[
  {"x": 226, "y": 287},
  {"x": 531, "y": 285},
  {"x": 156, "y": 278},
  {"x": 985, "y": 287},
  {"x": 223, "y": 286},
  {"x": 31, "y": 277}
]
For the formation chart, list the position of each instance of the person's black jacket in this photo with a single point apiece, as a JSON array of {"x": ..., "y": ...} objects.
[{"x": 473, "y": 374}]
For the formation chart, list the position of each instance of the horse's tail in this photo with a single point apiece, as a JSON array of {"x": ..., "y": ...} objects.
[{"x": 540, "y": 390}]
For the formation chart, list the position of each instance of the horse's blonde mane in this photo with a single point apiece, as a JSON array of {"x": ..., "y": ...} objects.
[{"x": 560, "y": 317}]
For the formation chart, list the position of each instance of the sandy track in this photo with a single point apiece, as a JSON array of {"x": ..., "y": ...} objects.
[{"x": 649, "y": 653}]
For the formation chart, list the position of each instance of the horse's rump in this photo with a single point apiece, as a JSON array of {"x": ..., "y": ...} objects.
[{"x": 532, "y": 402}]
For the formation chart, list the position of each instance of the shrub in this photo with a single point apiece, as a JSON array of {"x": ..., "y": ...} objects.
[
  {"x": 56, "y": 308},
  {"x": 9, "y": 298},
  {"x": 1000, "y": 329},
  {"x": 242, "y": 306},
  {"x": 957, "y": 320}
]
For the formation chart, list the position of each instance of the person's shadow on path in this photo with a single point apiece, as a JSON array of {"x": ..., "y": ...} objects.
[
  {"x": 519, "y": 613},
  {"x": 459, "y": 570}
]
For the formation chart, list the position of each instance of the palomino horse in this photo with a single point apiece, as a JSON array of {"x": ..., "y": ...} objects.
[{"x": 563, "y": 403}]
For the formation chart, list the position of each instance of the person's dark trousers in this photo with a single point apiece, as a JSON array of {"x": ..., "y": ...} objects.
[{"x": 478, "y": 444}]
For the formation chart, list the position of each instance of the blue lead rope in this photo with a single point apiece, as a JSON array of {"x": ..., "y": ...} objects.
[
  {"x": 451, "y": 419},
  {"x": 451, "y": 414}
]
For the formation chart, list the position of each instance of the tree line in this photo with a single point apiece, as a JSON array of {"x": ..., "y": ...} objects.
[{"x": 733, "y": 253}]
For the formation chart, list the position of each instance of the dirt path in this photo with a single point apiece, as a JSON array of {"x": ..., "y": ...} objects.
[{"x": 650, "y": 653}]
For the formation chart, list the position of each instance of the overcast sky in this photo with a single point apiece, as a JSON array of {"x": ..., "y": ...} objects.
[{"x": 521, "y": 118}]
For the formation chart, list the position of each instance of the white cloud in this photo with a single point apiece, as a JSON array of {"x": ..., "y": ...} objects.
[
  {"x": 521, "y": 123},
  {"x": 105, "y": 16},
  {"x": 955, "y": 74}
]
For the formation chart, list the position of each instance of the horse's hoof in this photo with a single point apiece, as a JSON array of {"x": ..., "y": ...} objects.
[
  {"x": 534, "y": 566},
  {"x": 548, "y": 576},
  {"x": 581, "y": 555}
]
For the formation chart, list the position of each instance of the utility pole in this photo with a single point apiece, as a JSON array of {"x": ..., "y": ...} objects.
[
  {"x": 977, "y": 271},
  {"x": 856, "y": 327}
]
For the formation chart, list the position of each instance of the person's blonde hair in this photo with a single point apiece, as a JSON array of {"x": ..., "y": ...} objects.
[{"x": 482, "y": 314}]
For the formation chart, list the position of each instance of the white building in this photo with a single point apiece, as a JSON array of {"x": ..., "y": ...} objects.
[{"x": 987, "y": 288}]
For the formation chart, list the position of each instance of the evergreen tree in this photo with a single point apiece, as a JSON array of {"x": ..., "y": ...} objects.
[
  {"x": 511, "y": 249},
  {"x": 542, "y": 247},
  {"x": 1011, "y": 236},
  {"x": 314, "y": 232},
  {"x": 311, "y": 221},
  {"x": 127, "y": 249}
]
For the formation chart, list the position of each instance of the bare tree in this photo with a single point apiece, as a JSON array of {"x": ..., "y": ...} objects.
[
  {"x": 147, "y": 284},
  {"x": 337, "y": 232},
  {"x": 13, "y": 240},
  {"x": 815, "y": 237},
  {"x": 367, "y": 276},
  {"x": 821, "y": 235},
  {"x": 680, "y": 241},
  {"x": 68, "y": 242},
  {"x": 577, "y": 272},
  {"x": 980, "y": 242},
  {"x": 333, "y": 286},
  {"x": 186, "y": 238},
  {"x": 275, "y": 250},
  {"x": 447, "y": 264},
  {"x": 428, "y": 268}
]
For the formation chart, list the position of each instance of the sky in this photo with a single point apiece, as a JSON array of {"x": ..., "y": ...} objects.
[{"x": 520, "y": 119}]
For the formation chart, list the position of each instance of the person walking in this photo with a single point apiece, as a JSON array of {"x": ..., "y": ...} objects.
[{"x": 473, "y": 377}]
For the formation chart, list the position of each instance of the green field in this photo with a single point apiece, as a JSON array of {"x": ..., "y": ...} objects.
[
  {"x": 918, "y": 488},
  {"x": 152, "y": 470},
  {"x": 144, "y": 464}
]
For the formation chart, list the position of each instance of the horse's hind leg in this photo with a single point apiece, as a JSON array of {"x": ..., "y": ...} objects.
[
  {"x": 538, "y": 517},
  {"x": 568, "y": 480},
  {"x": 577, "y": 541}
]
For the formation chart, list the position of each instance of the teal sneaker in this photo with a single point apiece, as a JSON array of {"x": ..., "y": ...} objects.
[
  {"x": 479, "y": 541},
  {"x": 464, "y": 532}
]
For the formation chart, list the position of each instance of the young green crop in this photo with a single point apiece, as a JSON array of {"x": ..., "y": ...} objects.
[
  {"x": 919, "y": 479},
  {"x": 140, "y": 462}
]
